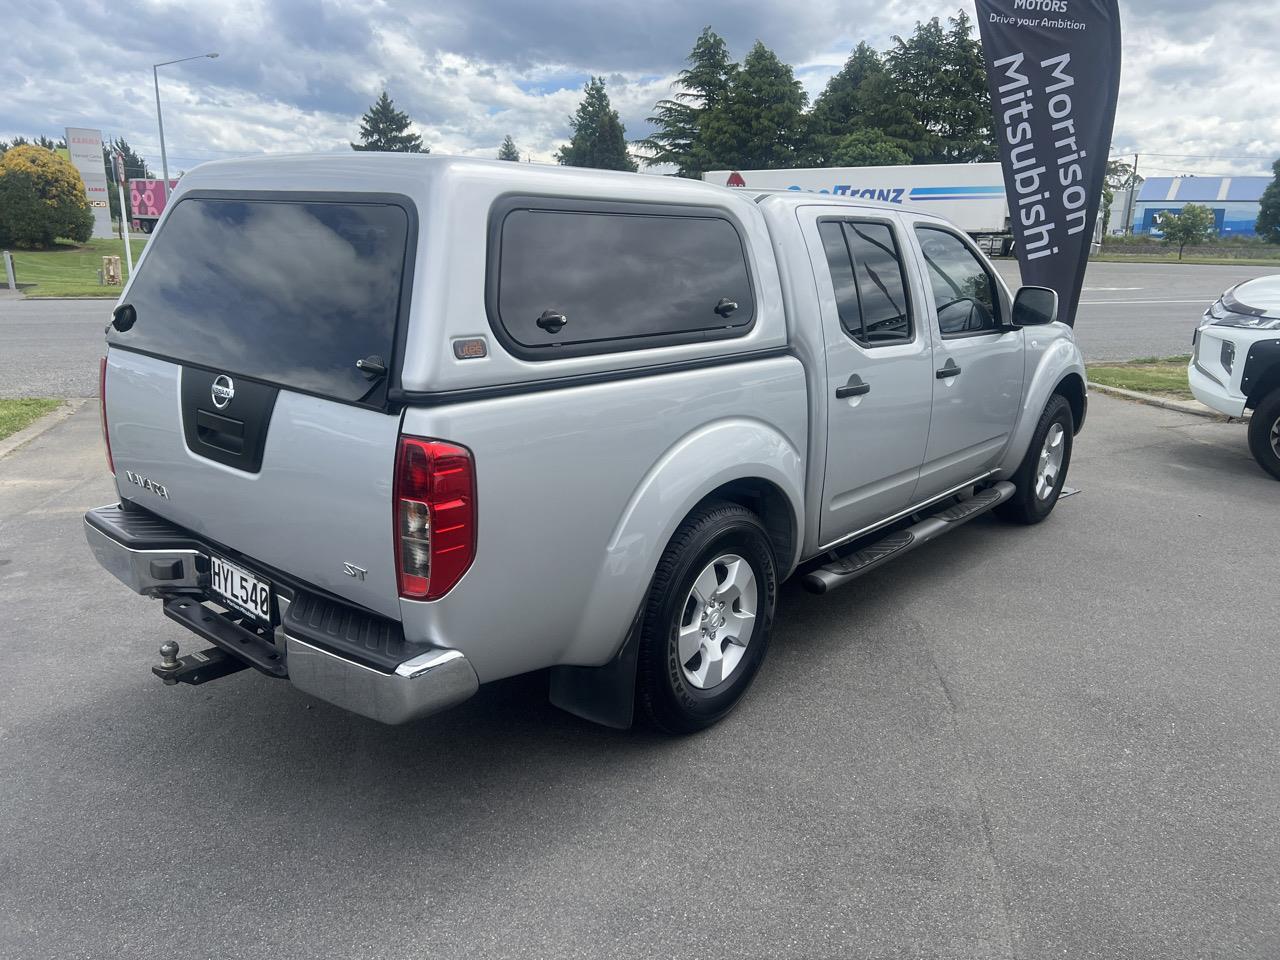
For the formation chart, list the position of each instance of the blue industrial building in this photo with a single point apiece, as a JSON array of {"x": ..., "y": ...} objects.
[{"x": 1233, "y": 200}]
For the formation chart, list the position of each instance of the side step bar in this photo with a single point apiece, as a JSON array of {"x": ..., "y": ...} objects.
[{"x": 846, "y": 569}]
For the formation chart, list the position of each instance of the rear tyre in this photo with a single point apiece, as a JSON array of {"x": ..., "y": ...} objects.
[
  {"x": 1043, "y": 470},
  {"x": 707, "y": 619},
  {"x": 1264, "y": 433}
]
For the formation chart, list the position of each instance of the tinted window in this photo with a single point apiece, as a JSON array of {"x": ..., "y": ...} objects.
[
  {"x": 866, "y": 271},
  {"x": 290, "y": 292},
  {"x": 841, "y": 266},
  {"x": 965, "y": 293},
  {"x": 619, "y": 276}
]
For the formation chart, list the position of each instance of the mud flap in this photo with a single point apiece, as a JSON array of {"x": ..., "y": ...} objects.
[{"x": 606, "y": 694}]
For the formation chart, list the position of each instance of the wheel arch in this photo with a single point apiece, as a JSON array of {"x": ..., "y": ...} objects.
[
  {"x": 767, "y": 501},
  {"x": 742, "y": 460},
  {"x": 1073, "y": 389},
  {"x": 1261, "y": 374},
  {"x": 1054, "y": 365}
]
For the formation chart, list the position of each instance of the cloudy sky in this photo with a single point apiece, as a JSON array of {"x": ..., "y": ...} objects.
[{"x": 1199, "y": 75}]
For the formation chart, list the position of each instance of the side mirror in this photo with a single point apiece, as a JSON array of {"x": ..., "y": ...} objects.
[{"x": 1034, "y": 306}]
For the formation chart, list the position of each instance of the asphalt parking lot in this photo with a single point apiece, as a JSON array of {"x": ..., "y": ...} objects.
[
  {"x": 1046, "y": 742},
  {"x": 50, "y": 348}
]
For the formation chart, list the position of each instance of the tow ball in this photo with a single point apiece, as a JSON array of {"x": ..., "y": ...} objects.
[{"x": 194, "y": 668}]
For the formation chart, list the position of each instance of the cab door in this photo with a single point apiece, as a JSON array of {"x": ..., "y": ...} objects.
[
  {"x": 978, "y": 361},
  {"x": 878, "y": 368}
]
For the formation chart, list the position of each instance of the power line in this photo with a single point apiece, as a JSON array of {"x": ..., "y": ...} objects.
[
  {"x": 1182, "y": 172},
  {"x": 1200, "y": 156}
]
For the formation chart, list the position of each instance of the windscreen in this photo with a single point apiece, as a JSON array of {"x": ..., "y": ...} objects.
[{"x": 291, "y": 292}]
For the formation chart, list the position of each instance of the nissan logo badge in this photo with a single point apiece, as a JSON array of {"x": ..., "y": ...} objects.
[{"x": 223, "y": 390}]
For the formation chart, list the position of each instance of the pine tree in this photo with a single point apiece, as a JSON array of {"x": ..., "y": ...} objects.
[
  {"x": 915, "y": 66},
  {"x": 599, "y": 138},
  {"x": 849, "y": 104},
  {"x": 135, "y": 168},
  {"x": 761, "y": 123},
  {"x": 385, "y": 128},
  {"x": 1268, "y": 225},
  {"x": 135, "y": 165},
  {"x": 864, "y": 148},
  {"x": 842, "y": 106},
  {"x": 508, "y": 150},
  {"x": 968, "y": 130},
  {"x": 703, "y": 86},
  {"x": 944, "y": 79}
]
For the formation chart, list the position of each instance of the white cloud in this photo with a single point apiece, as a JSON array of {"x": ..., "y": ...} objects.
[{"x": 294, "y": 75}]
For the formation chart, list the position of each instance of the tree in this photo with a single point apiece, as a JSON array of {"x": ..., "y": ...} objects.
[
  {"x": 385, "y": 128},
  {"x": 1268, "y": 225},
  {"x": 843, "y": 107},
  {"x": 761, "y": 124},
  {"x": 703, "y": 87},
  {"x": 42, "y": 198},
  {"x": 968, "y": 131},
  {"x": 135, "y": 168},
  {"x": 865, "y": 148},
  {"x": 943, "y": 77},
  {"x": 1192, "y": 225},
  {"x": 1120, "y": 175},
  {"x": 508, "y": 150},
  {"x": 599, "y": 138}
]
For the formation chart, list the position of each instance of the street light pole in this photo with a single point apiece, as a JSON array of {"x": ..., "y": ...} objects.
[{"x": 155, "y": 76}]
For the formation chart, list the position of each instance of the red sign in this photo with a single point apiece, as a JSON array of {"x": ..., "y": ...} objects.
[
  {"x": 735, "y": 180},
  {"x": 146, "y": 197}
]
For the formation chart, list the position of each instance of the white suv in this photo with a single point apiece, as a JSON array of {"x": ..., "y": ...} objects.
[{"x": 1235, "y": 365}]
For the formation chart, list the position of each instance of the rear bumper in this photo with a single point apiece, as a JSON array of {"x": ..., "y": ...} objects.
[{"x": 155, "y": 558}]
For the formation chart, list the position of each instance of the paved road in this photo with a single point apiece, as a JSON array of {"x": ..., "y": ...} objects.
[
  {"x": 1130, "y": 310},
  {"x": 50, "y": 348},
  {"x": 1048, "y": 742}
]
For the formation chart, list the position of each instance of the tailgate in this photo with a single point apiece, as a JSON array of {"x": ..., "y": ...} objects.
[{"x": 321, "y": 498}]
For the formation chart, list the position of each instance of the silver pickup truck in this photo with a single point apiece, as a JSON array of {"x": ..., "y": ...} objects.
[{"x": 393, "y": 426}]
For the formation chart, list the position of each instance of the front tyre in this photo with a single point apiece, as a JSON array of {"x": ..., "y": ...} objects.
[
  {"x": 707, "y": 619},
  {"x": 1264, "y": 433},
  {"x": 1043, "y": 470}
]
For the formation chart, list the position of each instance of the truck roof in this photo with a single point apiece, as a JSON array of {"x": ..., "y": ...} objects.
[{"x": 416, "y": 175}]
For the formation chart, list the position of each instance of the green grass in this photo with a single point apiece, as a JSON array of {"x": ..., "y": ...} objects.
[
  {"x": 1162, "y": 376},
  {"x": 1173, "y": 258},
  {"x": 70, "y": 270},
  {"x": 16, "y": 414}
]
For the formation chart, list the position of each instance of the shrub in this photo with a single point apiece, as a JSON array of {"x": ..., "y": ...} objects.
[{"x": 42, "y": 198}]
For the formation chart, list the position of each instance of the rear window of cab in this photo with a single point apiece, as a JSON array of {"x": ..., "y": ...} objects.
[{"x": 569, "y": 277}]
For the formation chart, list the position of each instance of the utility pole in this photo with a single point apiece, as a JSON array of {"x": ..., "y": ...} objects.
[{"x": 155, "y": 76}]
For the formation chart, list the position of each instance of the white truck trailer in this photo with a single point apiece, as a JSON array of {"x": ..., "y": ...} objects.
[{"x": 970, "y": 195}]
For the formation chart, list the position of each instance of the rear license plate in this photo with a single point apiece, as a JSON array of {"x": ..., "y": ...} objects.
[{"x": 240, "y": 589}]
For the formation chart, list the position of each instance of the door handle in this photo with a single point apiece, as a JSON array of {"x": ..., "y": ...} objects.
[
  {"x": 949, "y": 369},
  {"x": 854, "y": 388}
]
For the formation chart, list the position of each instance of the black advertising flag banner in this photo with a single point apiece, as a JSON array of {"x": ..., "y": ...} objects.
[{"x": 1053, "y": 68}]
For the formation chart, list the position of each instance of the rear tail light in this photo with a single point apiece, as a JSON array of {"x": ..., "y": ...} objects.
[
  {"x": 102, "y": 408},
  {"x": 435, "y": 516}
]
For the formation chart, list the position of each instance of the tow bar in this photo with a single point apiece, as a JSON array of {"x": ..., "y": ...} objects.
[
  {"x": 195, "y": 668},
  {"x": 236, "y": 646}
]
